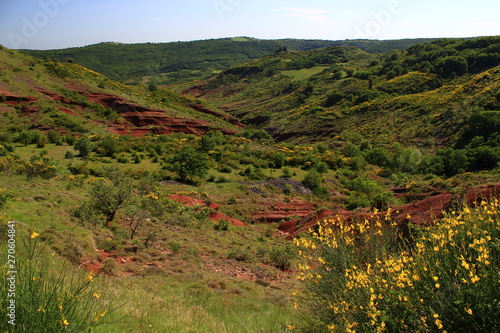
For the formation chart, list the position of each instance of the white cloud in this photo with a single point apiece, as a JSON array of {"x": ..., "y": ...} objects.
[{"x": 306, "y": 14}]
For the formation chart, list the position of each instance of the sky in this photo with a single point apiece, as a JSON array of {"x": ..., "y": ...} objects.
[{"x": 56, "y": 24}]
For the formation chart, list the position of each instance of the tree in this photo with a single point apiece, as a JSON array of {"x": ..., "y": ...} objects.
[
  {"x": 109, "y": 145},
  {"x": 84, "y": 146},
  {"x": 138, "y": 215},
  {"x": 107, "y": 196},
  {"x": 188, "y": 164},
  {"x": 451, "y": 66}
]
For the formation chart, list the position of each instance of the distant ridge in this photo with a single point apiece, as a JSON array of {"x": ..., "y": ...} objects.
[{"x": 180, "y": 62}]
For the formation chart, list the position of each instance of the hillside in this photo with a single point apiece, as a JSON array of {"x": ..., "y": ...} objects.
[
  {"x": 425, "y": 95},
  {"x": 70, "y": 99},
  {"x": 170, "y": 63},
  {"x": 176, "y": 210}
]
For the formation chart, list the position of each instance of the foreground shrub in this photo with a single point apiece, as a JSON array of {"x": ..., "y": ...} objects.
[
  {"x": 363, "y": 277},
  {"x": 42, "y": 299}
]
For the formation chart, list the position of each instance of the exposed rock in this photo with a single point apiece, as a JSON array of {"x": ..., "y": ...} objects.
[
  {"x": 10, "y": 98},
  {"x": 423, "y": 212},
  {"x": 150, "y": 120},
  {"x": 297, "y": 187},
  {"x": 276, "y": 212}
]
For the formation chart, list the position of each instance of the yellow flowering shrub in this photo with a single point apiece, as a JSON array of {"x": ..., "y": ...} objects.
[
  {"x": 37, "y": 297},
  {"x": 366, "y": 277}
]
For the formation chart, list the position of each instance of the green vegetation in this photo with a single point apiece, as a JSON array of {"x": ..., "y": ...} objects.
[
  {"x": 366, "y": 277},
  {"x": 41, "y": 297},
  {"x": 170, "y": 63},
  {"x": 428, "y": 95},
  {"x": 174, "y": 202}
]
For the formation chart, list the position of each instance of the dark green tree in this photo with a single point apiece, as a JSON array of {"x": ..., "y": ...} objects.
[
  {"x": 84, "y": 146},
  {"x": 109, "y": 145},
  {"x": 188, "y": 164}
]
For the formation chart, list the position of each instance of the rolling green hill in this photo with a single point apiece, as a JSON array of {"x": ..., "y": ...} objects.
[
  {"x": 169, "y": 63},
  {"x": 425, "y": 95},
  {"x": 71, "y": 99},
  {"x": 160, "y": 211}
]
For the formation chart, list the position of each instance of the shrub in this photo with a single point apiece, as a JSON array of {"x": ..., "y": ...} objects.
[
  {"x": 222, "y": 225},
  {"x": 69, "y": 155},
  {"x": 256, "y": 134},
  {"x": 282, "y": 257},
  {"x": 321, "y": 167},
  {"x": 366, "y": 277},
  {"x": 287, "y": 173},
  {"x": 48, "y": 299},
  {"x": 40, "y": 167},
  {"x": 174, "y": 247},
  {"x": 312, "y": 180},
  {"x": 279, "y": 160},
  {"x": 109, "y": 145},
  {"x": 106, "y": 196},
  {"x": 5, "y": 196}
]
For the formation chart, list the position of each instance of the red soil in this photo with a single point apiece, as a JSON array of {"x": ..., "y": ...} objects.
[
  {"x": 423, "y": 212},
  {"x": 276, "y": 212},
  {"x": 10, "y": 98},
  {"x": 214, "y": 216},
  {"x": 140, "y": 120}
]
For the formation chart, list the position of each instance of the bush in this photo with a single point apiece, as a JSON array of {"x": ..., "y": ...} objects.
[
  {"x": 40, "y": 167},
  {"x": 312, "y": 180},
  {"x": 48, "y": 299},
  {"x": 366, "y": 277},
  {"x": 109, "y": 145},
  {"x": 106, "y": 196},
  {"x": 282, "y": 257},
  {"x": 321, "y": 167},
  {"x": 69, "y": 155},
  {"x": 256, "y": 134},
  {"x": 222, "y": 225},
  {"x": 5, "y": 196}
]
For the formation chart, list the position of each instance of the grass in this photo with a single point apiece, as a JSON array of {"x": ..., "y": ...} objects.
[
  {"x": 304, "y": 73},
  {"x": 166, "y": 304},
  {"x": 181, "y": 291}
]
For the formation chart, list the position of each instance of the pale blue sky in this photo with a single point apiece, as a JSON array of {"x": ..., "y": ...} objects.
[{"x": 46, "y": 24}]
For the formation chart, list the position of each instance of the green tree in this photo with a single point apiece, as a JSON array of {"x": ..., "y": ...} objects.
[
  {"x": 454, "y": 161},
  {"x": 109, "y": 145},
  {"x": 312, "y": 180},
  {"x": 188, "y": 164},
  {"x": 84, "y": 146},
  {"x": 106, "y": 197},
  {"x": 451, "y": 66}
]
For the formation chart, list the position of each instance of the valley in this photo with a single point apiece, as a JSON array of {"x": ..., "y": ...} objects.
[{"x": 183, "y": 193}]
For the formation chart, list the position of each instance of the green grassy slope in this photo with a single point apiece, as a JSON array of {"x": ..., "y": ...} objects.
[
  {"x": 179, "y": 62},
  {"x": 70, "y": 98},
  {"x": 176, "y": 268},
  {"x": 424, "y": 95}
]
